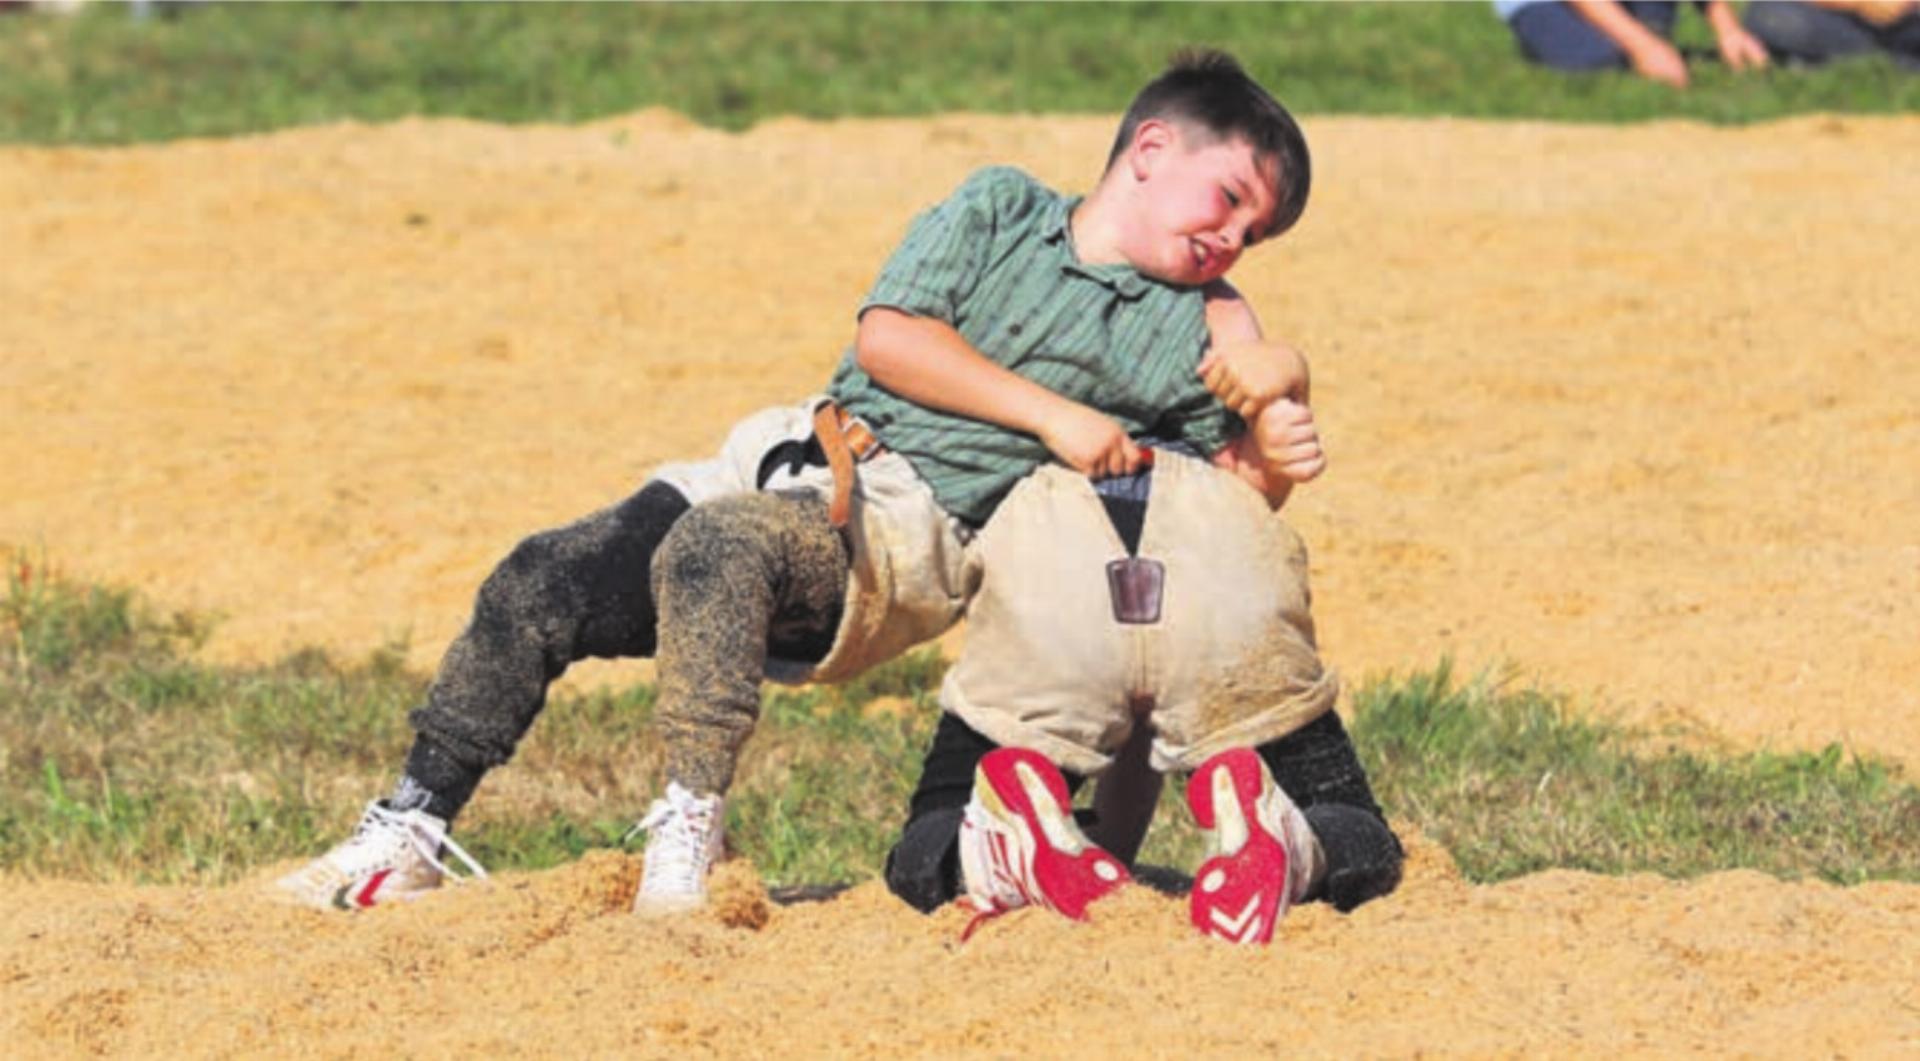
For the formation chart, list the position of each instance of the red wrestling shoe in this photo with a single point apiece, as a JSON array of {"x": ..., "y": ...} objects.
[
  {"x": 1258, "y": 849},
  {"x": 1019, "y": 845}
]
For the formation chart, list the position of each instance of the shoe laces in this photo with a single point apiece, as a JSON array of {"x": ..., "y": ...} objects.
[
  {"x": 427, "y": 837},
  {"x": 679, "y": 827}
]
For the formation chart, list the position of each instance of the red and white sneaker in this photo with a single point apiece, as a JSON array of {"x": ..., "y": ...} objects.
[
  {"x": 1259, "y": 849},
  {"x": 1019, "y": 845},
  {"x": 391, "y": 855}
]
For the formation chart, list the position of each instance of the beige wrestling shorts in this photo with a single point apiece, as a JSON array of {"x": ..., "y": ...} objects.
[
  {"x": 1224, "y": 655},
  {"x": 911, "y": 573}
]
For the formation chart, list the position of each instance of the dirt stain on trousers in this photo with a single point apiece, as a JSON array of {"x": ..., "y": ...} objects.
[{"x": 733, "y": 574}]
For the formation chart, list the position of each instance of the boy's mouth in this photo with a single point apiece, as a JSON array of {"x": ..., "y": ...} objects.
[{"x": 1202, "y": 256}]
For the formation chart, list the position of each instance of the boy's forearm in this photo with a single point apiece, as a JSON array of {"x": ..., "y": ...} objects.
[
  {"x": 1241, "y": 368},
  {"x": 928, "y": 362},
  {"x": 1231, "y": 322}
]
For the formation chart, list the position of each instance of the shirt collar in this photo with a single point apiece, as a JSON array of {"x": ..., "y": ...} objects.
[{"x": 1123, "y": 280}]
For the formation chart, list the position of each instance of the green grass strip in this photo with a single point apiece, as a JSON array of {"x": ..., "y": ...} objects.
[
  {"x": 1511, "y": 782},
  {"x": 103, "y": 77},
  {"x": 123, "y": 758}
]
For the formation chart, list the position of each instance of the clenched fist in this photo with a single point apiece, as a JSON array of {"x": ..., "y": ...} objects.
[
  {"x": 1247, "y": 377},
  {"x": 1288, "y": 441}
]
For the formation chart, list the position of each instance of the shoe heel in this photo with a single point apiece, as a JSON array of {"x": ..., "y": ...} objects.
[
  {"x": 1237, "y": 772},
  {"x": 1237, "y": 890},
  {"x": 1068, "y": 871},
  {"x": 1003, "y": 770}
]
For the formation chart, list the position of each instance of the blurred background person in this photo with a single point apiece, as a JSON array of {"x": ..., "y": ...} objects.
[
  {"x": 1580, "y": 35},
  {"x": 1824, "y": 30}
]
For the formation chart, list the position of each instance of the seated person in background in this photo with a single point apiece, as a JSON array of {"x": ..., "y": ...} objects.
[
  {"x": 1577, "y": 35},
  {"x": 1824, "y": 30}
]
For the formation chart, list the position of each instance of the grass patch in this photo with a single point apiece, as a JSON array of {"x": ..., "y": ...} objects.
[
  {"x": 1511, "y": 782},
  {"x": 223, "y": 69},
  {"x": 122, "y": 758}
]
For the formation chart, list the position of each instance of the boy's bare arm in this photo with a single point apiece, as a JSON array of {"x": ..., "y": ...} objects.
[
  {"x": 1281, "y": 448},
  {"x": 928, "y": 362},
  {"x": 1243, "y": 369},
  {"x": 1230, "y": 317},
  {"x": 1267, "y": 384}
]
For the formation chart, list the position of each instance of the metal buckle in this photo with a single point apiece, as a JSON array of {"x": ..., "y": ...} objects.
[{"x": 1136, "y": 584}]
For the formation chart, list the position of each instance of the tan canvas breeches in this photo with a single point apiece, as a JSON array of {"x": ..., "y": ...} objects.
[{"x": 1229, "y": 660}]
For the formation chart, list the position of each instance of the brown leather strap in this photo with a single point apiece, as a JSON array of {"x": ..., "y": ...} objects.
[
  {"x": 860, "y": 440},
  {"x": 826, "y": 427}
]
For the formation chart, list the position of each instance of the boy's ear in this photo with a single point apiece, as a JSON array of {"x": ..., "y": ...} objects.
[{"x": 1151, "y": 139}]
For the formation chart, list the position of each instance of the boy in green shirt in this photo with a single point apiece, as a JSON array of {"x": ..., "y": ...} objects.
[{"x": 1013, "y": 326}]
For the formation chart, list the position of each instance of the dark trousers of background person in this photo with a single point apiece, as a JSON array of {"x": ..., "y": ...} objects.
[
  {"x": 1555, "y": 35},
  {"x": 1315, "y": 766},
  {"x": 1808, "y": 33}
]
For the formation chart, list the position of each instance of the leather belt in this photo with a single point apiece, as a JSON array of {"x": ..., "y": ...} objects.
[
  {"x": 861, "y": 441},
  {"x": 846, "y": 440}
]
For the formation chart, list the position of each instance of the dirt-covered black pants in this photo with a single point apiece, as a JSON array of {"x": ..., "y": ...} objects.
[
  {"x": 708, "y": 590},
  {"x": 1315, "y": 766}
]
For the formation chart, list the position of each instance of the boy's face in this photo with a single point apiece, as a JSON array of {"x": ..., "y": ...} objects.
[{"x": 1205, "y": 202}]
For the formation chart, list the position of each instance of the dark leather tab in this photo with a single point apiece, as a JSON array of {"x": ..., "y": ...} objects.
[{"x": 1136, "y": 585}]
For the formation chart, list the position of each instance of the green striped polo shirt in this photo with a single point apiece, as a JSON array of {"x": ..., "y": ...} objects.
[{"x": 996, "y": 261}]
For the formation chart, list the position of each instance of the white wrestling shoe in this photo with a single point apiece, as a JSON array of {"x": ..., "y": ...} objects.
[
  {"x": 391, "y": 855},
  {"x": 685, "y": 836}
]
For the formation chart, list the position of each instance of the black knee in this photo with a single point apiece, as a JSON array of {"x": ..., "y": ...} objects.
[
  {"x": 1363, "y": 856},
  {"x": 603, "y": 559},
  {"x": 530, "y": 588},
  {"x": 923, "y": 869},
  {"x": 642, "y": 523}
]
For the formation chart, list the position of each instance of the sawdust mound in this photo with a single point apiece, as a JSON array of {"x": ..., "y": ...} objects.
[
  {"x": 1631, "y": 409},
  {"x": 551, "y": 964},
  {"x": 738, "y": 897}
]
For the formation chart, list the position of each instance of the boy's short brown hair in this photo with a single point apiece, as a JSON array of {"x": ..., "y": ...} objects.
[{"x": 1206, "y": 87}]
